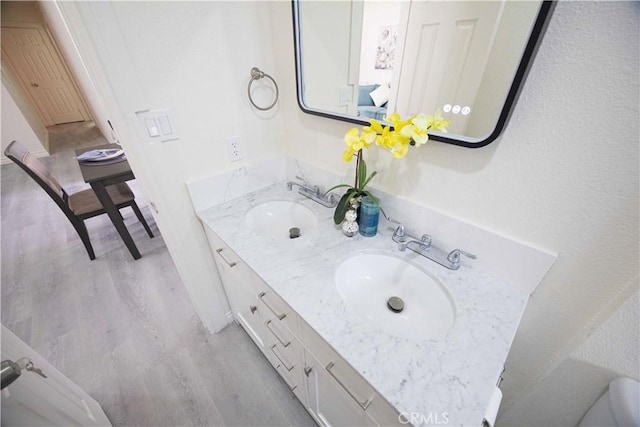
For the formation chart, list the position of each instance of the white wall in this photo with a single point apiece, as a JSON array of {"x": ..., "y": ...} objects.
[
  {"x": 564, "y": 175},
  {"x": 14, "y": 126},
  {"x": 193, "y": 58},
  {"x": 575, "y": 384}
]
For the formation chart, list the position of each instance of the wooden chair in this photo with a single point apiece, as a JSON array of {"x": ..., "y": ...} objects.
[{"x": 77, "y": 206}]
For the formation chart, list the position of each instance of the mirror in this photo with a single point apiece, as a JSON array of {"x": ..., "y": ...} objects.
[{"x": 357, "y": 60}]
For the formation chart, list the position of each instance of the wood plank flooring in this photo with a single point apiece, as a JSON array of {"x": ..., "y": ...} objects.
[{"x": 123, "y": 330}]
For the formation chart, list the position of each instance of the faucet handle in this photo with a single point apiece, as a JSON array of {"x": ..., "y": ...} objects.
[
  {"x": 454, "y": 256},
  {"x": 333, "y": 198},
  {"x": 400, "y": 230}
]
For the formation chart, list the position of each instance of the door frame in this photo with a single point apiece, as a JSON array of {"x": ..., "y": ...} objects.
[{"x": 49, "y": 41}]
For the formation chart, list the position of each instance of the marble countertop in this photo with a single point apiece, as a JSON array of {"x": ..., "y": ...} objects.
[{"x": 449, "y": 378}]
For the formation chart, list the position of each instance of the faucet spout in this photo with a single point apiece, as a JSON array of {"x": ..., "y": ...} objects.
[
  {"x": 313, "y": 192},
  {"x": 423, "y": 246}
]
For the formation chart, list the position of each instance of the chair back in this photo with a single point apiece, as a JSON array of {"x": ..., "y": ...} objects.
[{"x": 39, "y": 172}]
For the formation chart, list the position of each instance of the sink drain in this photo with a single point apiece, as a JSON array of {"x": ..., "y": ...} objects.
[
  {"x": 395, "y": 304},
  {"x": 294, "y": 233}
]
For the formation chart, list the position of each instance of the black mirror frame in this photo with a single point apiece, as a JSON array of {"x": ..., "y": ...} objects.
[{"x": 535, "y": 39}]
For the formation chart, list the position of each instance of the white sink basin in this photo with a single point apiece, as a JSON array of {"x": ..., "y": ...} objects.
[
  {"x": 275, "y": 218},
  {"x": 367, "y": 281}
]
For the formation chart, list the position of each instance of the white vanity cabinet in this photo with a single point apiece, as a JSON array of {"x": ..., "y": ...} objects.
[
  {"x": 330, "y": 389},
  {"x": 338, "y": 394},
  {"x": 239, "y": 285},
  {"x": 281, "y": 345}
]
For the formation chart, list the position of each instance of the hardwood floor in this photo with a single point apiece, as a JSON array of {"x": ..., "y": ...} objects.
[{"x": 125, "y": 331}]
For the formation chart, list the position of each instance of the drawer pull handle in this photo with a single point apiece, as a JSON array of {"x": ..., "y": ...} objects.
[
  {"x": 273, "y": 349},
  {"x": 230, "y": 264},
  {"x": 364, "y": 405},
  {"x": 291, "y": 387},
  {"x": 307, "y": 371},
  {"x": 284, "y": 344},
  {"x": 261, "y": 295},
  {"x": 253, "y": 308}
]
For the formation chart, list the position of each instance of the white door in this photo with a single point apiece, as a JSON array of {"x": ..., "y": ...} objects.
[
  {"x": 445, "y": 53},
  {"x": 32, "y": 400},
  {"x": 42, "y": 75}
]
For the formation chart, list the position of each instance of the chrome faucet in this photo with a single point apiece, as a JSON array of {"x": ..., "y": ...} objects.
[
  {"x": 424, "y": 247},
  {"x": 313, "y": 192},
  {"x": 454, "y": 257},
  {"x": 401, "y": 237}
]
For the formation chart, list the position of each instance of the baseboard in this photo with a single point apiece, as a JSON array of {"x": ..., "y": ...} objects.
[{"x": 229, "y": 316}]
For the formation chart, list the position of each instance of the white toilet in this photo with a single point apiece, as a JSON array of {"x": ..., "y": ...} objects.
[{"x": 618, "y": 407}]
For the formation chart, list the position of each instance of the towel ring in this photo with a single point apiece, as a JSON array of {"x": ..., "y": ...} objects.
[{"x": 256, "y": 74}]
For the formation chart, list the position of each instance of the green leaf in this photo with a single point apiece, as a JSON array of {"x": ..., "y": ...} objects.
[
  {"x": 374, "y": 198},
  {"x": 343, "y": 206},
  {"x": 369, "y": 180},
  {"x": 362, "y": 173},
  {"x": 337, "y": 186}
]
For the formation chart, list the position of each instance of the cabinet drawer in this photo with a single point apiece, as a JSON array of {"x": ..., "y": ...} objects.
[
  {"x": 276, "y": 310},
  {"x": 348, "y": 379},
  {"x": 278, "y": 332},
  {"x": 288, "y": 366}
]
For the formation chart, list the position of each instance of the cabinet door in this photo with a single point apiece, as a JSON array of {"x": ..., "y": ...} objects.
[
  {"x": 329, "y": 403},
  {"x": 237, "y": 282},
  {"x": 247, "y": 312}
]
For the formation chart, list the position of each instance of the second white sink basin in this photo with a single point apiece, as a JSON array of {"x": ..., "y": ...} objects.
[
  {"x": 275, "y": 218},
  {"x": 366, "y": 282}
]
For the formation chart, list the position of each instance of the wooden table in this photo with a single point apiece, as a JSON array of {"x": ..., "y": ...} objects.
[{"x": 99, "y": 177}]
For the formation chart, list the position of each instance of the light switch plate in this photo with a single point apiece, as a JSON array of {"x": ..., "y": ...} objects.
[{"x": 158, "y": 125}]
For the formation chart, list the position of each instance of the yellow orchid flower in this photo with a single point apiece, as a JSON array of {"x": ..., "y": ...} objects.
[
  {"x": 368, "y": 136},
  {"x": 412, "y": 131},
  {"x": 418, "y": 130},
  {"x": 437, "y": 122},
  {"x": 400, "y": 150},
  {"x": 376, "y": 126},
  {"x": 356, "y": 142},
  {"x": 397, "y": 122},
  {"x": 348, "y": 154},
  {"x": 351, "y": 137},
  {"x": 399, "y": 138},
  {"x": 385, "y": 139}
]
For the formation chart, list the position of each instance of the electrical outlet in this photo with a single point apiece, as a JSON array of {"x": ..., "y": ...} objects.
[{"x": 233, "y": 148}]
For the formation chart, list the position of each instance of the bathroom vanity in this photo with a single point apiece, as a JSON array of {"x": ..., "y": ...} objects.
[{"x": 342, "y": 366}]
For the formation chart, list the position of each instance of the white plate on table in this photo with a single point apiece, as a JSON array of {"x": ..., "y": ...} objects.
[{"x": 100, "y": 155}]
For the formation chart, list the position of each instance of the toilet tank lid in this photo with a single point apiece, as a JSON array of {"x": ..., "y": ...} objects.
[{"x": 624, "y": 396}]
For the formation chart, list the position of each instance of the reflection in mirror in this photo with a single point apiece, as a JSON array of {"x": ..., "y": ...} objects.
[{"x": 358, "y": 60}]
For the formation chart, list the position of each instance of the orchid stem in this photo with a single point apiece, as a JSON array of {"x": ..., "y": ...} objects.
[{"x": 358, "y": 160}]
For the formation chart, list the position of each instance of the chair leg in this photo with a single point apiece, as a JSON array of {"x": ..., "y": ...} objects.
[
  {"x": 143, "y": 221},
  {"x": 84, "y": 236}
]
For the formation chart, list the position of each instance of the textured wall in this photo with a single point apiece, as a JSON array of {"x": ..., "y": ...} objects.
[
  {"x": 579, "y": 380},
  {"x": 564, "y": 175}
]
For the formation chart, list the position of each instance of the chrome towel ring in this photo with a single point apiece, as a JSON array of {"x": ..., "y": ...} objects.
[{"x": 257, "y": 74}]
